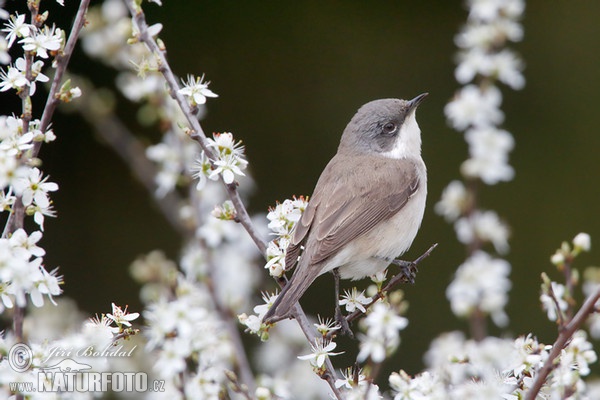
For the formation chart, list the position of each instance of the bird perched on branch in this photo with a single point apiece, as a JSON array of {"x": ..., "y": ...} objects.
[{"x": 367, "y": 206}]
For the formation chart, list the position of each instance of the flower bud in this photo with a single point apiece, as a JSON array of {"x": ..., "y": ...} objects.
[{"x": 582, "y": 242}]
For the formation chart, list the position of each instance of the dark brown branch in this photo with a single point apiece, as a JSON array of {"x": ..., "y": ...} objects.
[{"x": 561, "y": 342}]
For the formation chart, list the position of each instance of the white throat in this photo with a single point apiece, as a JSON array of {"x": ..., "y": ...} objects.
[{"x": 408, "y": 142}]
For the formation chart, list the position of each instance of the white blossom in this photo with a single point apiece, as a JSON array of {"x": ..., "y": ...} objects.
[
  {"x": 424, "y": 386},
  {"x": 26, "y": 244},
  {"x": 44, "y": 40},
  {"x": 16, "y": 28},
  {"x": 34, "y": 189},
  {"x": 39, "y": 214},
  {"x": 453, "y": 202},
  {"x": 276, "y": 257},
  {"x": 383, "y": 326},
  {"x": 481, "y": 283},
  {"x": 484, "y": 226},
  {"x": 550, "y": 303},
  {"x": 354, "y": 300},
  {"x": 12, "y": 78},
  {"x": 320, "y": 352},
  {"x": 196, "y": 90},
  {"x": 489, "y": 10},
  {"x": 579, "y": 353},
  {"x": 230, "y": 160},
  {"x": 528, "y": 357},
  {"x": 489, "y": 170},
  {"x": 486, "y": 36},
  {"x": 122, "y": 317},
  {"x": 284, "y": 216},
  {"x": 475, "y": 107},
  {"x": 12, "y": 139},
  {"x": 327, "y": 326},
  {"x": 227, "y": 166}
]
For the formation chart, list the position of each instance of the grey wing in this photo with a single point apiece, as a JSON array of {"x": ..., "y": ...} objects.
[{"x": 338, "y": 222}]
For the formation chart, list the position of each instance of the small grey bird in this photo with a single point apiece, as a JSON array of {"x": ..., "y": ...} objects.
[{"x": 368, "y": 203}]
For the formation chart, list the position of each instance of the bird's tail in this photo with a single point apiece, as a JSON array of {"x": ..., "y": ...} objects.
[{"x": 290, "y": 295}]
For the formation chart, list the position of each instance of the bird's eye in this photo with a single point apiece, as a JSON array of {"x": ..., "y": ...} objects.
[{"x": 389, "y": 128}]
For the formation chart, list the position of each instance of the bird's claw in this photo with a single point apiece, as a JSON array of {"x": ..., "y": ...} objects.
[{"x": 409, "y": 269}]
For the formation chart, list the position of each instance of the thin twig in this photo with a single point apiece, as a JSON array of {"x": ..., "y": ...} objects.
[
  {"x": 238, "y": 387},
  {"x": 198, "y": 134},
  {"x": 393, "y": 282},
  {"x": 329, "y": 375},
  {"x": 15, "y": 219},
  {"x": 564, "y": 336},
  {"x": 132, "y": 152},
  {"x": 62, "y": 62},
  {"x": 242, "y": 363}
]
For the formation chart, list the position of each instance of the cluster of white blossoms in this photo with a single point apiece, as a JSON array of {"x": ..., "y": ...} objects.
[
  {"x": 57, "y": 333},
  {"x": 483, "y": 61},
  {"x": 23, "y": 275},
  {"x": 52, "y": 330},
  {"x": 216, "y": 271},
  {"x": 230, "y": 160},
  {"x": 495, "y": 368},
  {"x": 108, "y": 38},
  {"x": 191, "y": 339},
  {"x": 382, "y": 327},
  {"x": 282, "y": 219},
  {"x": 481, "y": 282},
  {"x": 22, "y": 271},
  {"x": 216, "y": 275}
]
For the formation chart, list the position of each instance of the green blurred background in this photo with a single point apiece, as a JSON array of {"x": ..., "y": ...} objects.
[{"x": 290, "y": 75}]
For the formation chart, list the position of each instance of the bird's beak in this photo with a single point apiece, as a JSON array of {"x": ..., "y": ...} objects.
[{"x": 413, "y": 104}]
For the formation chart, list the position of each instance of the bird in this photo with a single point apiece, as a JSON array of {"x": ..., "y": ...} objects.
[{"x": 367, "y": 205}]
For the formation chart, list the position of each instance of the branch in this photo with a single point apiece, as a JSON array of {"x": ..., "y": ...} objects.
[
  {"x": 197, "y": 132},
  {"x": 307, "y": 329},
  {"x": 15, "y": 219},
  {"x": 564, "y": 336},
  {"x": 62, "y": 62},
  {"x": 132, "y": 152},
  {"x": 393, "y": 282},
  {"x": 198, "y": 135}
]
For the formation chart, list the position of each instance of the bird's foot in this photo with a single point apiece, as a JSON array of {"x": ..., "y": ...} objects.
[{"x": 409, "y": 269}]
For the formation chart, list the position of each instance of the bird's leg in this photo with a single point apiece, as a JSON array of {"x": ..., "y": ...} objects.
[
  {"x": 408, "y": 268},
  {"x": 340, "y": 319}
]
